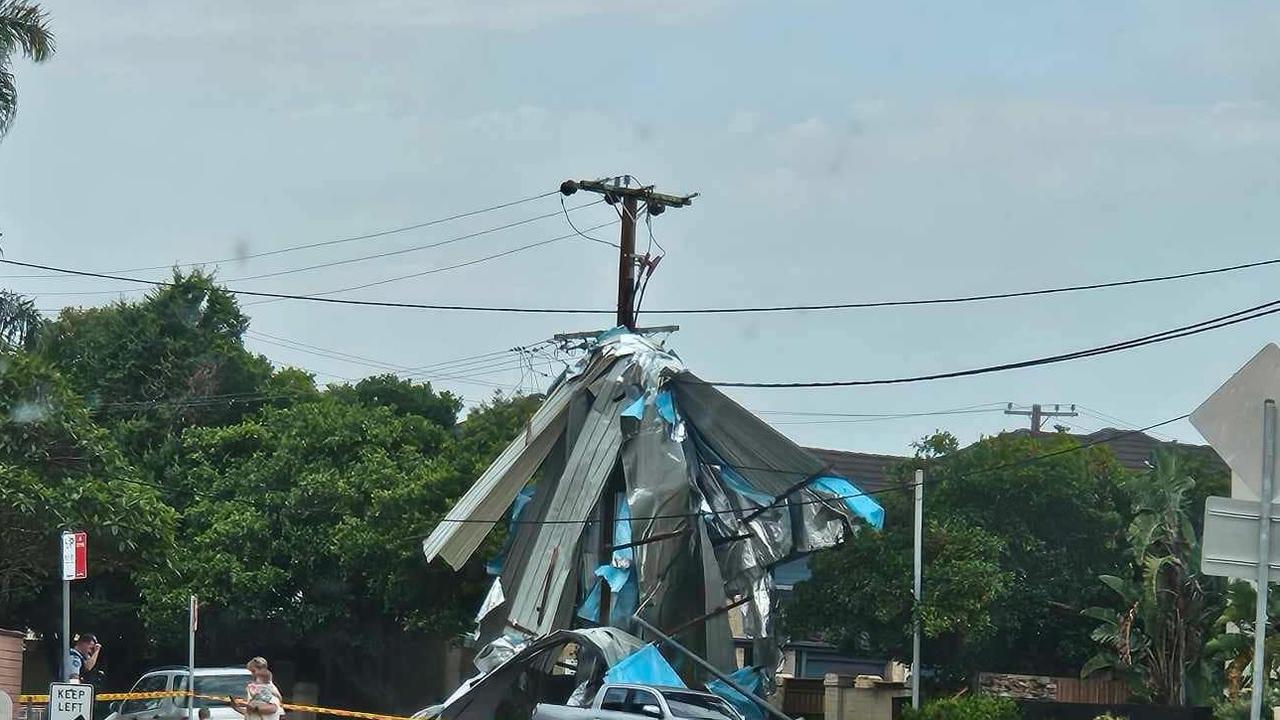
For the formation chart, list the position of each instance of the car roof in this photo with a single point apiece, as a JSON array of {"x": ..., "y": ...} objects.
[
  {"x": 201, "y": 672},
  {"x": 663, "y": 688}
]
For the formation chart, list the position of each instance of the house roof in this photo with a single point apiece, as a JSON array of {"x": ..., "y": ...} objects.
[{"x": 870, "y": 471}]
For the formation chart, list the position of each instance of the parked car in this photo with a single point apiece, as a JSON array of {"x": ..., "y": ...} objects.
[
  {"x": 629, "y": 702},
  {"x": 219, "y": 682}
]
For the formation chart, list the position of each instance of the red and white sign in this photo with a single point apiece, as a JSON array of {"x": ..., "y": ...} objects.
[{"x": 75, "y": 556}]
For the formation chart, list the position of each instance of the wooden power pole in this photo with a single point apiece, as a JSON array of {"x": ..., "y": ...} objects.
[
  {"x": 619, "y": 190},
  {"x": 1037, "y": 413}
]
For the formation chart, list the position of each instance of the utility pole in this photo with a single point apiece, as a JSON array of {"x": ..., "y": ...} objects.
[
  {"x": 619, "y": 190},
  {"x": 917, "y": 587},
  {"x": 1037, "y": 413}
]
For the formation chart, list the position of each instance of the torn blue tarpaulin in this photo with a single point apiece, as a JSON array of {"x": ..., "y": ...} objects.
[
  {"x": 747, "y": 678},
  {"x": 853, "y": 498},
  {"x": 619, "y": 573},
  {"x": 494, "y": 566},
  {"x": 645, "y": 666}
]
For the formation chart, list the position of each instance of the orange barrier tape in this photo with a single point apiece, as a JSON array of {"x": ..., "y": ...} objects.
[{"x": 333, "y": 712}]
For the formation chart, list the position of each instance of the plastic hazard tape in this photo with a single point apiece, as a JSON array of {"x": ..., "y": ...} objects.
[
  {"x": 104, "y": 697},
  {"x": 333, "y": 712}
]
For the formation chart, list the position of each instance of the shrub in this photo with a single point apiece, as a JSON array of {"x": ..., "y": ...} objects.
[{"x": 969, "y": 707}]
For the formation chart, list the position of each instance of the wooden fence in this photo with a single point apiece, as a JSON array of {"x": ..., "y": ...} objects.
[{"x": 803, "y": 697}]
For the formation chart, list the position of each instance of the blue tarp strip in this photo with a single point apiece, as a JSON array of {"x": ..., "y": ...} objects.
[
  {"x": 494, "y": 566},
  {"x": 645, "y": 666},
  {"x": 853, "y": 498},
  {"x": 747, "y": 678}
]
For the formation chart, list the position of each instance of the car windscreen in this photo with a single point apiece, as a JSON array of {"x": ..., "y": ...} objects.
[
  {"x": 698, "y": 707},
  {"x": 221, "y": 686}
]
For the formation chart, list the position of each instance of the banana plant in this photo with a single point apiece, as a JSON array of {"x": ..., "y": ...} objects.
[
  {"x": 1233, "y": 635},
  {"x": 1154, "y": 636}
]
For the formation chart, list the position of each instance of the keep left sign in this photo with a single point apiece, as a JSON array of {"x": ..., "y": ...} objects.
[{"x": 70, "y": 701}]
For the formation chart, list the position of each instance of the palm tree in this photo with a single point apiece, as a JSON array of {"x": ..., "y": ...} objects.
[
  {"x": 24, "y": 28},
  {"x": 19, "y": 322}
]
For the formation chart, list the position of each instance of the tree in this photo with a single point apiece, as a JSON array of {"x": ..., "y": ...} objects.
[
  {"x": 305, "y": 524},
  {"x": 152, "y": 368},
  {"x": 24, "y": 28},
  {"x": 1155, "y": 638},
  {"x": 20, "y": 322},
  {"x": 1035, "y": 513},
  {"x": 61, "y": 471},
  {"x": 963, "y": 580},
  {"x": 1233, "y": 635}
]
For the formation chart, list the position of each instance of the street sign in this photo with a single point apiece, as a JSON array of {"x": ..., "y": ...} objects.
[
  {"x": 70, "y": 701},
  {"x": 1230, "y": 419},
  {"x": 75, "y": 556},
  {"x": 1230, "y": 547}
]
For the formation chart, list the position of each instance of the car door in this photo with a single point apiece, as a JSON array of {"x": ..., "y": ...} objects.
[
  {"x": 147, "y": 708},
  {"x": 644, "y": 704}
]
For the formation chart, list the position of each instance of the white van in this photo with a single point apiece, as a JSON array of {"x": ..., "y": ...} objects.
[{"x": 219, "y": 682}]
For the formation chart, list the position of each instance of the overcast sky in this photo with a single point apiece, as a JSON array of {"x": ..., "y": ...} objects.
[{"x": 843, "y": 151}]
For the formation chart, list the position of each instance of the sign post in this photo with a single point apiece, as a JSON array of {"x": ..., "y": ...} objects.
[
  {"x": 75, "y": 566},
  {"x": 192, "y": 619},
  {"x": 1229, "y": 421},
  {"x": 70, "y": 701},
  {"x": 1264, "y": 555}
]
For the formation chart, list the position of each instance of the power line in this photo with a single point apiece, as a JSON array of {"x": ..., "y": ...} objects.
[
  {"x": 416, "y": 248},
  {"x": 963, "y": 298},
  {"x": 455, "y": 266},
  {"x": 338, "y": 241},
  {"x": 667, "y": 311},
  {"x": 1253, "y": 313}
]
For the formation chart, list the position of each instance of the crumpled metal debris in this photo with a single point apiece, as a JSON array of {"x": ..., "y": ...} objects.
[{"x": 708, "y": 498}]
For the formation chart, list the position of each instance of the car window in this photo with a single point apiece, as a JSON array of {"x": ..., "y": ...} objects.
[
  {"x": 150, "y": 683},
  {"x": 698, "y": 707},
  {"x": 639, "y": 699},
  {"x": 614, "y": 699},
  {"x": 216, "y": 690}
]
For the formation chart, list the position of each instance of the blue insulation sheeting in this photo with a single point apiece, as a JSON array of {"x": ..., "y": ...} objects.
[
  {"x": 747, "y": 678},
  {"x": 645, "y": 666},
  {"x": 853, "y": 498}
]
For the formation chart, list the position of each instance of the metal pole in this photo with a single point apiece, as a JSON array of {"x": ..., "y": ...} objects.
[
  {"x": 919, "y": 566},
  {"x": 191, "y": 659},
  {"x": 1264, "y": 557},
  {"x": 66, "y": 630},
  {"x": 711, "y": 669}
]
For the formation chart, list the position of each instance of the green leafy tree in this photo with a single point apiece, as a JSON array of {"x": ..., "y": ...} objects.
[
  {"x": 24, "y": 29},
  {"x": 1156, "y": 636},
  {"x": 60, "y": 471},
  {"x": 1232, "y": 638},
  {"x": 963, "y": 580},
  {"x": 304, "y": 524},
  {"x": 1020, "y": 527},
  {"x": 152, "y": 368},
  {"x": 19, "y": 322}
]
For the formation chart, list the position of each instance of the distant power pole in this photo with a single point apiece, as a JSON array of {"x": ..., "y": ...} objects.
[
  {"x": 617, "y": 190},
  {"x": 1037, "y": 413}
]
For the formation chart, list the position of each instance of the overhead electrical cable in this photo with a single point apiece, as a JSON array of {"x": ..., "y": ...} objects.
[
  {"x": 455, "y": 266},
  {"x": 671, "y": 311},
  {"x": 327, "y": 243},
  {"x": 416, "y": 248},
  {"x": 1240, "y": 316}
]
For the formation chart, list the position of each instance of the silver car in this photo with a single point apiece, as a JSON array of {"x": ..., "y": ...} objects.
[{"x": 214, "y": 682}]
